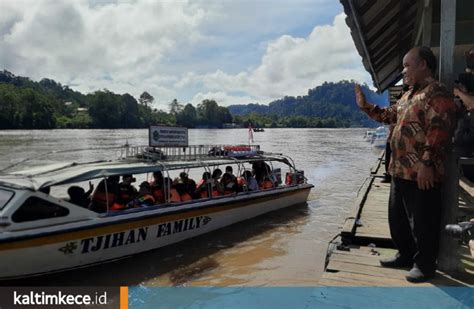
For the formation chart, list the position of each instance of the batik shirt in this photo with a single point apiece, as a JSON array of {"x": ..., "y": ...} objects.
[{"x": 424, "y": 120}]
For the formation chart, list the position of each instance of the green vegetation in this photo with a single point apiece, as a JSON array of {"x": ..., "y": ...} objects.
[
  {"x": 25, "y": 104},
  {"x": 327, "y": 106}
]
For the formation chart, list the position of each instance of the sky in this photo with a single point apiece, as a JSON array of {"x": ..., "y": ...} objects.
[{"x": 235, "y": 52}]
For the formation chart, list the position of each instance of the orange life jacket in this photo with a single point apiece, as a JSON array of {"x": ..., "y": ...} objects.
[
  {"x": 174, "y": 196},
  {"x": 100, "y": 199},
  {"x": 186, "y": 197},
  {"x": 117, "y": 206},
  {"x": 241, "y": 181},
  {"x": 159, "y": 195},
  {"x": 266, "y": 184}
]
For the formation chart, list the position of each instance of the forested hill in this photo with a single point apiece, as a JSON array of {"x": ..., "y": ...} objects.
[
  {"x": 26, "y": 104},
  {"x": 329, "y": 101}
]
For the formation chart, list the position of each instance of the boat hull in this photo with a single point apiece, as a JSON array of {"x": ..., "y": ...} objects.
[{"x": 68, "y": 249}]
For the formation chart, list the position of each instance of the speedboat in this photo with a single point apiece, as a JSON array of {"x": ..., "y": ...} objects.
[
  {"x": 42, "y": 233},
  {"x": 379, "y": 138}
]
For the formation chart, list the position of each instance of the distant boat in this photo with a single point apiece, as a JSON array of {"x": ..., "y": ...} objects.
[
  {"x": 379, "y": 137},
  {"x": 258, "y": 130}
]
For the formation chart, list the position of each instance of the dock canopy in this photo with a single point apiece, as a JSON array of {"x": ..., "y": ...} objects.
[{"x": 383, "y": 32}]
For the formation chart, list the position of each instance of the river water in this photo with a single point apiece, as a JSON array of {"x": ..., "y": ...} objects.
[{"x": 283, "y": 248}]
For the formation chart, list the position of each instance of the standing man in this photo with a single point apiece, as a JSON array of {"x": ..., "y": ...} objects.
[{"x": 424, "y": 119}]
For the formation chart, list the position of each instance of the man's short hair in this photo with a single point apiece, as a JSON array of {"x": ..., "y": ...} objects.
[{"x": 425, "y": 53}]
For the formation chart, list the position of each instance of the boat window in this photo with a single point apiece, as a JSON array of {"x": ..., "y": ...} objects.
[
  {"x": 5, "y": 196},
  {"x": 36, "y": 209}
]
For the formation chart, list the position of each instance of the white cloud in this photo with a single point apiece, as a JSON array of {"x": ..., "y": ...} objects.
[
  {"x": 292, "y": 65},
  {"x": 236, "y": 52}
]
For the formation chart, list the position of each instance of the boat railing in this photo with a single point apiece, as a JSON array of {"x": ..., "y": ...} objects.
[{"x": 189, "y": 153}]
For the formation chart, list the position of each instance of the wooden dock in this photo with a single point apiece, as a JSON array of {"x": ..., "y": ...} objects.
[{"x": 353, "y": 258}]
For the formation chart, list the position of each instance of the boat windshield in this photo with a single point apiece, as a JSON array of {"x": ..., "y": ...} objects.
[{"x": 5, "y": 196}]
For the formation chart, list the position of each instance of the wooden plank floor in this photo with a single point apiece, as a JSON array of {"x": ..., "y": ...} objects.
[{"x": 353, "y": 265}]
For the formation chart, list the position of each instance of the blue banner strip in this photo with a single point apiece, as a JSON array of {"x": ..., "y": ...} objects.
[{"x": 300, "y": 297}]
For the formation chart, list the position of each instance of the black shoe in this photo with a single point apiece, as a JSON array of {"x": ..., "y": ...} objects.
[
  {"x": 396, "y": 262},
  {"x": 417, "y": 276}
]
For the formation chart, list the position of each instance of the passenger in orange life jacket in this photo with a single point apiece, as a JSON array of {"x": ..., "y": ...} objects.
[
  {"x": 229, "y": 181},
  {"x": 261, "y": 170},
  {"x": 157, "y": 187},
  {"x": 217, "y": 188},
  {"x": 186, "y": 187},
  {"x": 204, "y": 186},
  {"x": 78, "y": 196},
  {"x": 127, "y": 191},
  {"x": 144, "y": 197},
  {"x": 171, "y": 192},
  {"x": 105, "y": 194}
]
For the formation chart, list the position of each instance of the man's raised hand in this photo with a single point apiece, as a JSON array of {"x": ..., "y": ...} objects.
[{"x": 360, "y": 97}]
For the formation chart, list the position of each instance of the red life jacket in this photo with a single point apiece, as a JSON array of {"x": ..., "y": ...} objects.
[
  {"x": 174, "y": 196},
  {"x": 186, "y": 197},
  {"x": 266, "y": 184},
  {"x": 117, "y": 206},
  {"x": 159, "y": 195},
  {"x": 100, "y": 199}
]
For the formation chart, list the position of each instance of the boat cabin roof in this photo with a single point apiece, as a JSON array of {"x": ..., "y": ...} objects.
[{"x": 73, "y": 172}]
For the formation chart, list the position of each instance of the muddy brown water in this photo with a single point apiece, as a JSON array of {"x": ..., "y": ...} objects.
[{"x": 283, "y": 248}]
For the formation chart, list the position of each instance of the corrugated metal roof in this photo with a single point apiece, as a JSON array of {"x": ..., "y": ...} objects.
[{"x": 383, "y": 31}]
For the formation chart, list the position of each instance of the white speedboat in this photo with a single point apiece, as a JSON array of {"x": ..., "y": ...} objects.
[
  {"x": 379, "y": 138},
  {"x": 42, "y": 233}
]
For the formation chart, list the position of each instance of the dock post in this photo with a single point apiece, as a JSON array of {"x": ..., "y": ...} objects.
[{"x": 447, "y": 246}]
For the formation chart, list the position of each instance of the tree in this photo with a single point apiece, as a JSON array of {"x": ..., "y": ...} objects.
[
  {"x": 175, "y": 107},
  {"x": 130, "y": 116},
  {"x": 106, "y": 109},
  {"x": 146, "y": 99},
  {"x": 187, "y": 117}
]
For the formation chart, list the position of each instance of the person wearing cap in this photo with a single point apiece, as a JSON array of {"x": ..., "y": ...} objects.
[
  {"x": 144, "y": 198},
  {"x": 127, "y": 191}
]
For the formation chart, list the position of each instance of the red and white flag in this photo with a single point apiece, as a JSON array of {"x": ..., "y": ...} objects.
[{"x": 250, "y": 134}]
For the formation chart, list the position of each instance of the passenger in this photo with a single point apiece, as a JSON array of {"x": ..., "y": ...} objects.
[
  {"x": 127, "y": 191},
  {"x": 105, "y": 195},
  {"x": 251, "y": 182},
  {"x": 204, "y": 186},
  {"x": 261, "y": 170},
  {"x": 78, "y": 196},
  {"x": 144, "y": 198},
  {"x": 186, "y": 187},
  {"x": 157, "y": 187},
  {"x": 217, "y": 188},
  {"x": 229, "y": 181},
  {"x": 241, "y": 184},
  {"x": 171, "y": 192}
]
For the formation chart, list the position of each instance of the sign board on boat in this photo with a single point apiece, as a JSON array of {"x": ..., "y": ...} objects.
[{"x": 162, "y": 136}]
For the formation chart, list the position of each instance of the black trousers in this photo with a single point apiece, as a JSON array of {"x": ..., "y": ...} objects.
[
  {"x": 388, "y": 155},
  {"x": 414, "y": 218}
]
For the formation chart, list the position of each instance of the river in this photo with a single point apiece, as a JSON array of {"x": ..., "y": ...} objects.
[{"x": 284, "y": 248}]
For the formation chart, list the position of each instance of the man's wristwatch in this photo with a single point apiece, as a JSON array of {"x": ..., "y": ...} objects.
[{"x": 428, "y": 163}]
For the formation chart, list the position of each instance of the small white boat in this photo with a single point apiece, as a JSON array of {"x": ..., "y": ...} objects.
[
  {"x": 379, "y": 138},
  {"x": 42, "y": 233},
  {"x": 369, "y": 135}
]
